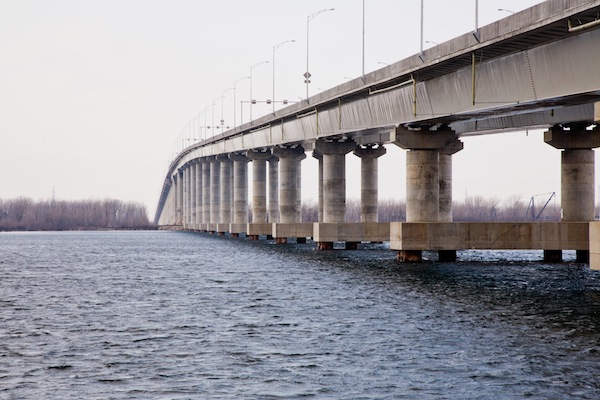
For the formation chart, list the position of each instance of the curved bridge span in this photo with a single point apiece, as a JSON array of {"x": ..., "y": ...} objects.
[{"x": 535, "y": 69}]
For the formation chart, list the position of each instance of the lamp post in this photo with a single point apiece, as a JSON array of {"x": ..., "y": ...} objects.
[
  {"x": 363, "y": 40},
  {"x": 213, "y": 113},
  {"x": 278, "y": 45},
  {"x": 505, "y": 10},
  {"x": 223, "y": 97},
  {"x": 205, "y": 115},
  {"x": 234, "y": 99},
  {"x": 251, "y": 68},
  {"x": 422, "y": 8},
  {"x": 308, "y": 19}
]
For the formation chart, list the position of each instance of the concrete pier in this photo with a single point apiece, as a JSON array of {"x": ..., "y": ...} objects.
[
  {"x": 225, "y": 194},
  {"x": 259, "y": 184},
  {"x": 334, "y": 181},
  {"x": 577, "y": 174},
  {"x": 215, "y": 194},
  {"x": 198, "y": 195},
  {"x": 205, "y": 194},
  {"x": 193, "y": 195},
  {"x": 423, "y": 182},
  {"x": 273, "y": 204},
  {"x": 187, "y": 197},
  {"x": 369, "y": 178},
  {"x": 179, "y": 197},
  {"x": 289, "y": 193},
  {"x": 240, "y": 194},
  {"x": 319, "y": 158}
]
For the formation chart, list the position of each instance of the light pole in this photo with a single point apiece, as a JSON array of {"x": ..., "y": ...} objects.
[
  {"x": 505, "y": 10},
  {"x": 213, "y": 114},
  {"x": 308, "y": 19},
  {"x": 234, "y": 99},
  {"x": 363, "y": 41},
  {"x": 223, "y": 97},
  {"x": 278, "y": 45},
  {"x": 422, "y": 8},
  {"x": 205, "y": 115},
  {"x": 251, "y": 99}
]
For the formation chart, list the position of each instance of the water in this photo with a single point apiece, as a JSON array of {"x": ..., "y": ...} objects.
[{"x": 173, "y": 315}]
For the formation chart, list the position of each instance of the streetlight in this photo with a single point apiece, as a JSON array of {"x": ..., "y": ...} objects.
[
  {"x": 205, "y": 116},
  {"x": 308, "y": 19},
  {"x": 505, "y": 10},
  {"x": 213, "y": 113},
  {"x": 278, "y": 45},
  {"x": 251, "y": 100},
  {"x": 422, "y": 8},
  {"x": 234, "y": 100},
  {"x": 222, "y": 97},
  {"x": 363, "y": 41}
]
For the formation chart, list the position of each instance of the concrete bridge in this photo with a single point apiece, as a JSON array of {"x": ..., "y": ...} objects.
[{"x": 539, "y": 68}]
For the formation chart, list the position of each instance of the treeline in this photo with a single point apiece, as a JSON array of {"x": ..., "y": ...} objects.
[
  {"x": 24, "y": 214},
  {"x": 473, "y": 209}
]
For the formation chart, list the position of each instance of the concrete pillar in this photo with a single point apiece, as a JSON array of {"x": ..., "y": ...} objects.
[
  {"x": 369, "y": 171},
  {"x": 215, "y": 192},
  {"x": 577, "y": 184},
  {"x": 289, "y": 196},
  {"x": 240, "y": 188},
  {"x": 183, "y": 197},
  {"x": 577, "y": 174},
  {"x": 198, "y": 195},
  {"x": 299, "y": 184},
  {"x": 445, "y": 185},
  {"x": 422, "y": 186},
  {"x": 334, "y": 177},
  {"x": 178, "y": 196},
  {"x": 273, "y": 203},
  {"x": 319, "y": 157},
  {"x": 259, "y": 184},
  {"x": 225, "y": 189},
  {"x": 423, "y": 182},
  {"x": 193, "y": 195},
  {"x": 205, "y": 192},
  {"x": 188, "y": 196}
]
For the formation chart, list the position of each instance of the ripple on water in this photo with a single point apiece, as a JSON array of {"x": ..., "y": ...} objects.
[{"x": 180, "y": 315}]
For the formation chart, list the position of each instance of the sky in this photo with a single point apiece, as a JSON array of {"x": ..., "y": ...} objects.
[{"x": 97, "y": 96}]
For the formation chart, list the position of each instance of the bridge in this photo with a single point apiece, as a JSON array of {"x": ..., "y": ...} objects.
[{"x": 537, "y": 68}]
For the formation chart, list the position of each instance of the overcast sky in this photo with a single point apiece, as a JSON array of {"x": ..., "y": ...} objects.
[{"x": 97, "y": 95}]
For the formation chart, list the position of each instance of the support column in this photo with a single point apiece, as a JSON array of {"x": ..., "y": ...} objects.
[
  {"x": 289, "y": 195},
  {"x": 577, "y": 175},
  {"x": 188, "y": 197},
  {"x": 273, "y": 204},
  {"x": 423, "y": 179},
  {"x": 369, "y": 175},
  {"x": 192, "y": 225},
  {"x": 319, "y": 157},
  {"x": 215, "y": 192},
  {"x": 259, "y": 184},
  {"x": 240, "y": 191},
  {"x": 225, "y": 192},
  {"x": 198, "y": 195},
  {"x": 334, "y": 181},
  {"x": 445, "y": 185},
  {"x": 205, "y": 193},
  {"x": 178, "y": 196}
]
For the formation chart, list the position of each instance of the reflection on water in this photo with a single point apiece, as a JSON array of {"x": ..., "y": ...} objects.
[{"x": 181, "y": 315}]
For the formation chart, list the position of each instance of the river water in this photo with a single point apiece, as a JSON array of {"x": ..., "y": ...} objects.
[{"x": 175, "y": 315}]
